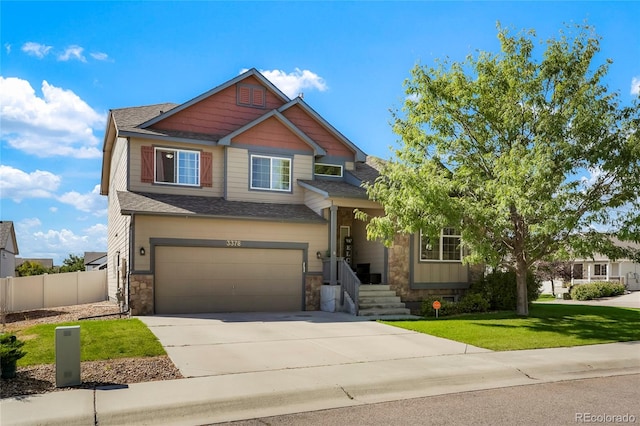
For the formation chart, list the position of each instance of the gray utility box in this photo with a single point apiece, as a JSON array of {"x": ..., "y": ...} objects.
[{"x": 68, "y": 356}]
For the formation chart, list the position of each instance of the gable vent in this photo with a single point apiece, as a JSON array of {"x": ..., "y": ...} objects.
[{"x": 252, "y": 96}]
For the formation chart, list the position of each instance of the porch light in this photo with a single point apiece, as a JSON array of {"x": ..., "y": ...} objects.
[{"x": 142, "y": 251}]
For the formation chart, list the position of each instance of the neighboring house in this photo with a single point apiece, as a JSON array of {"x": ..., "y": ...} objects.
[
  {"x": 8, "y": 249},
  {"x": 601, "y": 268},
  {"x": 94, "y": 260},
  {"x": 242, "y": 199}
]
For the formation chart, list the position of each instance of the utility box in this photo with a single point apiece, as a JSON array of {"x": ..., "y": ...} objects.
[{"x": 68, "y": 356}]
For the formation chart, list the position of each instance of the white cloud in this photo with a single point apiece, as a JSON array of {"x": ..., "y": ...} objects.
[
  {"x": 36, "y": 49},
  {"x": 29, "y": 223},
  {"x": 18, "y": 185},
  {"x": 635, "y": 86},
  {"x": 91, "y": 202},
  {"x": 99, "y": 56},
  {"x": 7, "y": 46},
  {"x": 59, "y": 123},
  {"x": 72, "y": 52},
  {"x": 53, "y": 209},
  {"x": 294, "y": 83}
]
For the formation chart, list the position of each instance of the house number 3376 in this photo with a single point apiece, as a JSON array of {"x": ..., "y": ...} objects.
[{"x": 234, "y": 243}]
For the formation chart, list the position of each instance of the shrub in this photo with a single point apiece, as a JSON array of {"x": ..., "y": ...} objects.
[
  {"x": 10, "y": 348},
  {"x": 596, "y": 290},
  {"x": 499, "y": 289},
  {"x": 473, "y": 302}
]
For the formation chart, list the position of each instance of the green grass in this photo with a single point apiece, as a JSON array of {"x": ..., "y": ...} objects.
[
  {"x": 546, "y": 297},
  {"x": 547, "y": 326},
  {"x": 99, "y": 340}
]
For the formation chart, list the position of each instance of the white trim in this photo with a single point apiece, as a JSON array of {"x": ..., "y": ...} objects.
[
  {"x": 271, "y": 158},
  {"x": 176, "y": 165},
  {"x": 441, "y": 248},
  {"x": 330, "y": 165}
]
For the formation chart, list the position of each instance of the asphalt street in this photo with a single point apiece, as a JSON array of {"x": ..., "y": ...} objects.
[{"x": 606, "y": 400}]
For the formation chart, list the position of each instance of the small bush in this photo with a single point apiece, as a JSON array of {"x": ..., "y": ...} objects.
[
  {"x": 596, "y": 290},
  {"x": 473, "y": 303},
  {"x": 500, "y": 290}
]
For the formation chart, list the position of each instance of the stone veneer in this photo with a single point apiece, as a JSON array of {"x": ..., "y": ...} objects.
[
  {"x": 399, "y": 265},
  {"x": 312, "y": 286},
  {"x": 141, "y": 294}
]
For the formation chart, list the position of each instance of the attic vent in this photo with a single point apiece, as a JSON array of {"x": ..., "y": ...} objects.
[{"x": 252, "y": 96}]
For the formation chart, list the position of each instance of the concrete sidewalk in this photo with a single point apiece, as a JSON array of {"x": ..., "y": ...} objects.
[{"x": 230, "y": 397}]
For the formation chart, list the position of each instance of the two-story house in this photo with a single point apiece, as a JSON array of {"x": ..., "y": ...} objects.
[{"x": 242, "y": 199}]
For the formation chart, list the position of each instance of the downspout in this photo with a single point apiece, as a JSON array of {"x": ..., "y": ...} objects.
[{"x": 131, "y": 262}]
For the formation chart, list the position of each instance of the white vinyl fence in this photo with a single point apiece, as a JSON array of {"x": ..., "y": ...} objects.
[{"x": 51, "y": 290}]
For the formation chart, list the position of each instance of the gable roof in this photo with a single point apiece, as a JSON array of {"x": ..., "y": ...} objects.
[
  {"x": 252, "y": 72},
  {"x": 91, "y": 257},
  {"x": 7, "y": 232},
  {"x": 317, "y": 149},
  {"x": 360, "y": 155}
]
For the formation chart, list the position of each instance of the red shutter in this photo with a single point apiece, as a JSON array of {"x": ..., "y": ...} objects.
[
  {"x": 146, "y": 171},
  {"x": 206, "y": 169},
  {"x": 258, "y": 97},
  {"x": 244, "y": 95}
]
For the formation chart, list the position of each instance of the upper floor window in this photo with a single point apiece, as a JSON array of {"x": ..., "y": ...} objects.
[
  {"x": 271, "y": 173},
  {"x": 253, "y": 96},
  {"x": 177, "y": 166},
  {"x": 328, "y": 170},
  {"x": 446, "y": 248}
]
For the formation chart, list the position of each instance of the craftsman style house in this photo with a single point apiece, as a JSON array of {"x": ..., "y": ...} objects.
[{"x": 242, "y": 199}]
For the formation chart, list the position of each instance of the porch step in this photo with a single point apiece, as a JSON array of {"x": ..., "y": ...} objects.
[{"x": 379, "y": 301}]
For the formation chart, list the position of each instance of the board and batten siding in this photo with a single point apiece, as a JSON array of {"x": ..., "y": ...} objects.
[
  {"x": 135, "y": 173},
  {"x": 238, "y": 170},
  {"x": 148, "y": 227},
  {"x": 367, "y": 251},
  {"x": 437, "y": 272},
  {"x": 318, "y": 133},
  {"x": 219, "y": 114},
  {"x": 118, "y": 225}
]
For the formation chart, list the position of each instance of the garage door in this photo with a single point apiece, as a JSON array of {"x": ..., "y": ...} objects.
[{"x": 204, "y": 279}]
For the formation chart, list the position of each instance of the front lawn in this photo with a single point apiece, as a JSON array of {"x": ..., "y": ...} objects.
[
  {"x": 99, "y": 340},
  {"x": 547, "y": 326}
]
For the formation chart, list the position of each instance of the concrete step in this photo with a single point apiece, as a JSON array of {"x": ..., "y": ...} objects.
[
  {"x": 383, "y": 311},
  {"x": 376, "y": 293},
  {"x": 379, "y": 300},
  {"x": 375, "y": 287},
  {"x": 369, "y": 305}
]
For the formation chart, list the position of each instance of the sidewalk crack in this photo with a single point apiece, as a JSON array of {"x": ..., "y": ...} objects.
[
  {"x": 528, "y": 376},
  {"x": 95, "y": 408},
  {"x": 346, "y": 393}
]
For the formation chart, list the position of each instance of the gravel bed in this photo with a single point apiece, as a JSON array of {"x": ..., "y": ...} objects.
[{"x": 39, "y": 379}]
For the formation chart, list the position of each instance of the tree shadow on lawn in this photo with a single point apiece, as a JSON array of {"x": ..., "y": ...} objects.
[{"x": 599, "y": 323}]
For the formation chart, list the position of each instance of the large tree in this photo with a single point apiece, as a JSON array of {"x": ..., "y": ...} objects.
[{"x": 527, "y": 153}]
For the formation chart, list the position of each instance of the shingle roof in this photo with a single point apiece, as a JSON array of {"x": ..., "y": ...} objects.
[
  {"x": 6, "y": 232},
  {"x": 168, "y": 204},
  {"x": 127, "y": 118},
  {"x": 336, "y": 189},
  {"x": 368, "y": 171}
]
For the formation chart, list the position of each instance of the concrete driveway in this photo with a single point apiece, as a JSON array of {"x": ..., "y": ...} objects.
[{"x": 230, "y": 343}]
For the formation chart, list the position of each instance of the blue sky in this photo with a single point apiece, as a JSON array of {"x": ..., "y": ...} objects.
[{"x": 64, "y": 65}]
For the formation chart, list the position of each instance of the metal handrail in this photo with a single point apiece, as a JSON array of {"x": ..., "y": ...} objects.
[{"x": 349, "y": 282}]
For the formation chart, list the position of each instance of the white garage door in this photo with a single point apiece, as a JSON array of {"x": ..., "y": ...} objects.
[{"x": 204, "y": 279}]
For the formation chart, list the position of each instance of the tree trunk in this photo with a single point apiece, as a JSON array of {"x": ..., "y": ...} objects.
[{"x": 522, "y": 306}]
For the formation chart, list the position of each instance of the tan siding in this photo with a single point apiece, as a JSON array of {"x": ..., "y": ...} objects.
[
  {"x": 218, "y": 114},
  {"x": 238, "y": 179},
  {"x": 211, "y": 229},
  {"x": 118, "y": 225},
  {"x": 318, "y": 133},
  {"x": 315, "y": 201},
  {"x": 136, "y": 184},
  {"x": 437, "y": 272}
]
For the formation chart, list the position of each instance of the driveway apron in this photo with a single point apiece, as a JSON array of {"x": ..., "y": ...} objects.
[{"x": 229, "y": 343}]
